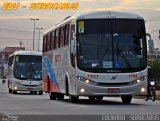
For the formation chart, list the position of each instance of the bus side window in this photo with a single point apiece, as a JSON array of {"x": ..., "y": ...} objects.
[
  {"x": 57, "y": 38},
  {"x": 52, "y": 40},
  {"x": 48, "y": 42},
  {"x": 62, "y": 37},
  {"x": 67, "y": 35},
  {"x": 44, "y": 43},
  {"x": 72, "y": 31},
  {"x": 73, "y": 57}
]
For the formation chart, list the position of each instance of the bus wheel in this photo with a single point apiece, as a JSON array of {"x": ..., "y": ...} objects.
[
  {"x": 40, "y": 92},
  {"x": 35, "y": 92},
  {"x": 73, "y": 99},
  {"x": 126, "y": 99},
  {"x": 99, "y": 98},
  {"x": 91, "y": 98},
  {"x": 9, "y": 90},
  {"x": 60, "y": 96},
  {"x": 31, "y": 92},
  {"x": 52, "y": 96},
  {"x": 14, "y": 92}
]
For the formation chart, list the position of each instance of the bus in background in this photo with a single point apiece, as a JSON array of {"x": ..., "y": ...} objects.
[
  {"x": 95, "y": 55},
  {"x": 25, "y": 72}
]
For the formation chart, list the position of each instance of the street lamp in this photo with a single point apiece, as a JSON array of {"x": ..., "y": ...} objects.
[
  {"x": 33, "y": 31},
  {"x": 39, "y": 36}
]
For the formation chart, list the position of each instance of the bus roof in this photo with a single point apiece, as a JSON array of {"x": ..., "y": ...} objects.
[
  {"x": 27, "y": 53},
  {"x": 109, "y": 15},
  {"x": 98, "y": 15}
]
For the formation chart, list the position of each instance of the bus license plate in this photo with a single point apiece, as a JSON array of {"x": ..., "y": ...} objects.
[
  {"x": 30, "y": 89},
  {"x": 114, "y": 90}
]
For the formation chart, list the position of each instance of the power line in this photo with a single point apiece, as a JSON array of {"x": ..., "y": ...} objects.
[
  {"x": 15, "y": 39},
  {"x": 15, "y": 30}
]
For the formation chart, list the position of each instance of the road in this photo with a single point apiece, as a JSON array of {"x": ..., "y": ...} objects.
[{"x": 26, "y": 104}]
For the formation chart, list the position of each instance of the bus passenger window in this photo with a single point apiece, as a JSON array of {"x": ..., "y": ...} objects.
[{"x": 72, "y": 31}]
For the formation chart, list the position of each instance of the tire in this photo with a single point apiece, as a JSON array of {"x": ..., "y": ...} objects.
[
  {"x": 67, "y": 89},
  {"x": 73, "y": 99},
  {"x": 126, "y": 99},
  {"x": 99, "y": 98},
  {"x": 14, "y": 92},
  {"x": 31, "y": 92},
  {"x": 153, "y": 95},
  {"x": 92, "y": 99},
  {"x": 60, "y": 96},
  {"x": 35, "y": 92},
  {"x": 52, "y": 96},
  {"x": 40, "y": 92},
  {"x": 10, "y": 90}
]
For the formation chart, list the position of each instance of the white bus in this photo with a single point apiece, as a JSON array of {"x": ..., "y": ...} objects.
[
  {"x": 25, "y": 72},
  {"x": 95, "y": 55}
]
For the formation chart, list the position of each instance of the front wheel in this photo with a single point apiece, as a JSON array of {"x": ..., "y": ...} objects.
[
  {"x": 14, "y": 92},
  {"x": 10, "y": 90},
  {"x": 126, "y": 99},
  {"x": 73, "y": 99},
  {"x": 40, "y": 92},
  {"x": 153, "y": 95}
]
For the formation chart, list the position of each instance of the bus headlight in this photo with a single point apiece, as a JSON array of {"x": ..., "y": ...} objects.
[
  {"x": 138, "y": 80},
  {"x": 86, "y": 81},
  {"x": 152, "y": 83},
  {"x": 15, "y": 88}
]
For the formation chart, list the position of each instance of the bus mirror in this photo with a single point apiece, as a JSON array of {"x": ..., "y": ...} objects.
[{"x": 73, "y": 47}]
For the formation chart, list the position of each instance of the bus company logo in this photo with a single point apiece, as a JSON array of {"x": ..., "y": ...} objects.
[{"x": 114, "y": 77}]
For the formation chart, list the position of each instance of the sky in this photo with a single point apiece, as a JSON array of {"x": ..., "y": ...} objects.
[{"x": 16, "y": 26}]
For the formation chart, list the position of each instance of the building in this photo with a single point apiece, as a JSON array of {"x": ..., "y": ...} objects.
[{"x": 4, "y": 55}]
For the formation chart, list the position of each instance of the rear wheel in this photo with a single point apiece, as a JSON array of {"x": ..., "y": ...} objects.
[
  {"x": 60, "y": 96},
  {"x": 52, "y": 96},
  {"x": 73, "y": 99},
  {"x": 126, "y": 99}
]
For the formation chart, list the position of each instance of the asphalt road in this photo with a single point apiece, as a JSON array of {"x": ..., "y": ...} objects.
[{"x": 27, "y": 104}]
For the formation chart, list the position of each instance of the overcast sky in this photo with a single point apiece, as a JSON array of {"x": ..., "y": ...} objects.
[{"x": 19, "y": 20}]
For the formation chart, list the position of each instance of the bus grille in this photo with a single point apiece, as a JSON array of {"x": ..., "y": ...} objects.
[{"x": 113, "y": 84}]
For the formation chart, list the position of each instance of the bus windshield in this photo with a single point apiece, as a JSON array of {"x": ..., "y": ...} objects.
[
  {"x": 28, "y": 67},
  {"x": 111, "y": 45}
]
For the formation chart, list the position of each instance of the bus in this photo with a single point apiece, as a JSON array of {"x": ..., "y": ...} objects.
[
  {"x": 25, "y": 72},
  {"x": 96, "y": 54}
]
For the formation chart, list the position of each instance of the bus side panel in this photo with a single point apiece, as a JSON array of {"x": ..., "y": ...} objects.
[{"x": 48, "y": 75}]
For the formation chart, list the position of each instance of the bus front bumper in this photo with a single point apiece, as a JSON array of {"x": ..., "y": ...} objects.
[
  {"x": 20, "y": 87},
  {"x": 90, "y": 90}
]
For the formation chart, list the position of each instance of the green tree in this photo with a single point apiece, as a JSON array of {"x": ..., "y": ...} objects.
[{"x": 155, "y": 67}]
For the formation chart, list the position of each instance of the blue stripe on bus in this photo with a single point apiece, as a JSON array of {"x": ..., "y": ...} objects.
[{"x": 50, "y": 71}]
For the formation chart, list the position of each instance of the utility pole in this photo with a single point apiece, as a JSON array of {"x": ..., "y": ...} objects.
[
  {"x": 33, "y": 31},
  {"x": 39, "y": 36}
]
